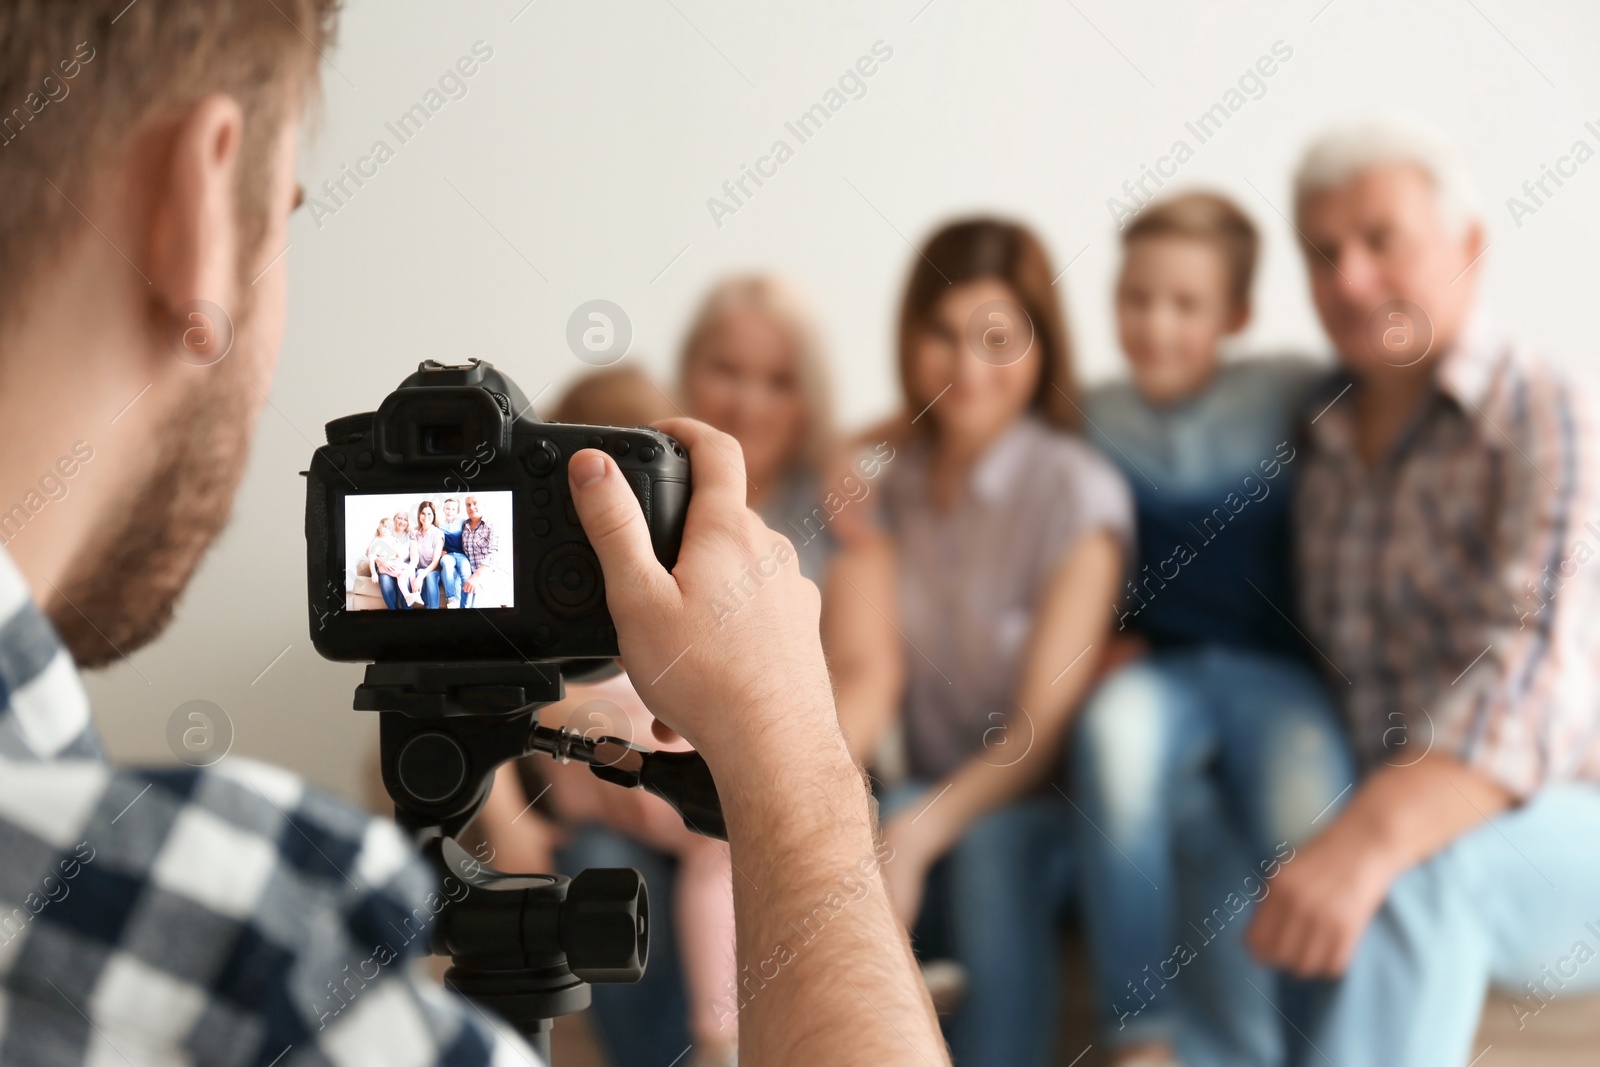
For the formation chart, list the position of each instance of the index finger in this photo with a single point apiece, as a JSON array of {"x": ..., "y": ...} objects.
[{"x": 716, "y": 463}]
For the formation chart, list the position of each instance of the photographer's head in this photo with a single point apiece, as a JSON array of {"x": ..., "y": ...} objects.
[{"x": 140, "y": 240}]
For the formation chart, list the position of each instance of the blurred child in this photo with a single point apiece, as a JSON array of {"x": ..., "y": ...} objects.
[
  {"x": 629, "y": 821},
  {"x": 1217, "y": 691}
]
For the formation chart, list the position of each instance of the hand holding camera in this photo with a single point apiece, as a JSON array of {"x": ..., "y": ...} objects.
[{"x": 728, "y": 637}]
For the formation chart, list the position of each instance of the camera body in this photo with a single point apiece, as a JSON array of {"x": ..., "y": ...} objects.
[{"x": 440, "y": 528}]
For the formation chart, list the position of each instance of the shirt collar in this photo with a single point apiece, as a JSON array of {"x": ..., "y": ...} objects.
[
  {"x": 1333, "y": 428},
  {"x": 44, "y": 710},
  {"x": 1468, "y": 369},
  {"x": 1465, "y": 374}
]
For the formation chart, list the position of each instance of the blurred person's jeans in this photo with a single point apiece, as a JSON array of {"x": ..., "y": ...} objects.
[
  {"x": 1191, "y": 770},
  {"x": 995, "y": 903},
  {"x": 1512, "y": 902},
  {"x": 643, "y": 1024}
]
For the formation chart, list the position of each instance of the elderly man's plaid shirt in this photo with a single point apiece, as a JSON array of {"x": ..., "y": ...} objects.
[
  {"x": 228, "y": 915},
  {"x": 480, "y": 543},
  {"x": 1453, "y": 587}
]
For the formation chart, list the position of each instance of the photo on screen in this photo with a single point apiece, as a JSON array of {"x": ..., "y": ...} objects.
[{"x": 420, "y": 551}]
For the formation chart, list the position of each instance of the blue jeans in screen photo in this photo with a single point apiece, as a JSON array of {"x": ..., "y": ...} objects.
[
  {"x": 389, "y": 586},
  {"x": 456, "y": 569},
  {"x": 430, "y": 589}
]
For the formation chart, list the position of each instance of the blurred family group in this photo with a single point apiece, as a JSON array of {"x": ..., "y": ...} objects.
[
  {"x": 1279, "y": 678},
  {"x": 438, "y": 557}
]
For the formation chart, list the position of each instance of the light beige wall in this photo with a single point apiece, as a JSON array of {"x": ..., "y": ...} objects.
[{"x": 579, "y": 165}]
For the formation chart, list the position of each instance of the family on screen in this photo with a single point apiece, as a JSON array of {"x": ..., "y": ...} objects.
[{"x": 436, "y": 557}]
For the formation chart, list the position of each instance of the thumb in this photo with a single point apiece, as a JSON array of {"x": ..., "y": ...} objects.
[{"x": 615, "y": 525}]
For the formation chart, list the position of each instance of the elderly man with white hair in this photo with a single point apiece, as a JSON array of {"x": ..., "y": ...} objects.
[{"x": 1445, "y": 522}]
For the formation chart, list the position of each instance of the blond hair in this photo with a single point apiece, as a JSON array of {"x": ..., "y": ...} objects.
[{"x": 780, "y": 303}]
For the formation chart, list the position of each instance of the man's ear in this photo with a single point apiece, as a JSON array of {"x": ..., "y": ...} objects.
[{"x": 194, "y": 236}]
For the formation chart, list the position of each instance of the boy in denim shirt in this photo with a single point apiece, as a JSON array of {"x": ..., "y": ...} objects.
[{"x": 1216, "y": 706}]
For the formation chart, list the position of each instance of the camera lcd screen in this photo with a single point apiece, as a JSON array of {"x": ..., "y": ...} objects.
[{"x": 421, "y": 551}]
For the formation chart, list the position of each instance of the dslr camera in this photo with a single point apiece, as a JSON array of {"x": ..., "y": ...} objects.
[
  {"x": 458, "y": 449},
  {"x": 443, "y": 548}
]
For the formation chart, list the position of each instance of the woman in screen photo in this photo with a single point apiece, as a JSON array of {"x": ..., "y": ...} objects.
[
  {"x": 428, "y": 542},
  {"x": 384, "y": 554},
  {"x": 394, "y": 568}
]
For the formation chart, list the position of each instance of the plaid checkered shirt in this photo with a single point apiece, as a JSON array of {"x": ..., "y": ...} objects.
[
  {"x": 481, "y": 544},
  {"x": 220, "y": 915},
  {"x": 1450, "y": 587}
]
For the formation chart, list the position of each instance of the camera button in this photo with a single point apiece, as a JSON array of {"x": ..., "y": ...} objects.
[
  {"x": 364, "y": 460},
  {"x": 541, "y": 527},
  {"x": 541, "y": 458},
  {"x": 339, "y": 459},
  {"x": 541, "y": 498},
  {"x": 596, "y": 441},
  {"x": 620, "y": 446},
  {"x": 569, "y": 581},
  {"x": 647, "y": 453}
]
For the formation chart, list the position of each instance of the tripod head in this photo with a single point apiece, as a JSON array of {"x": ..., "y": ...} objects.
[{"x": 525, "y": 945}]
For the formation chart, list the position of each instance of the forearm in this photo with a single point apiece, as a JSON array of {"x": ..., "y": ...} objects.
[
  {"x": 816, "y": 936},
  {"x": 863, "y": 649},
  {"x": 826, "y": 974},
  {"x": 866, "y": 708},
  {"x": 1025, "y": 748},
  {"x": 1322, "y": 901},
  {"x": 520, "y": 838},
  {"x": 1406, "y": 814},
  {"x": 991, "y": 780}
]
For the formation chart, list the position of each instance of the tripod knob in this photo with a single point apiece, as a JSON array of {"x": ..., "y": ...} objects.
[{"x": 605, "y": 925}]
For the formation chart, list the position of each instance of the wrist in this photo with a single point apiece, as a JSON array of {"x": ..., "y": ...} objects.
[
  {"x": 941, "y": 833},
  {"x": 788, "y": 775},
  {"x": 775, "y": 738},
  {"x": 1375, "y": 841}
]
